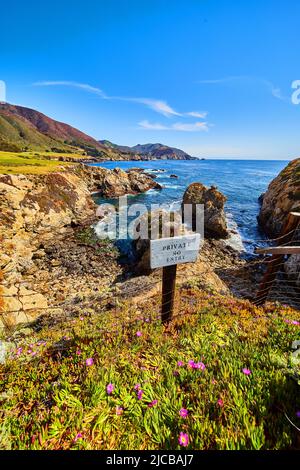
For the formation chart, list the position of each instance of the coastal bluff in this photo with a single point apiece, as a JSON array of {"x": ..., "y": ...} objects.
[
  {"x": 281, "y": 197},
  {"x": 41, "y": 210}
]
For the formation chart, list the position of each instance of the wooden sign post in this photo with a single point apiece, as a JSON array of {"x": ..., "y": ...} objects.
[{"x": 166, "y": 253}]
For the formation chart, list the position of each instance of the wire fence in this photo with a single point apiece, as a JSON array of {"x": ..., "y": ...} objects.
[{"x": 245, "y": 279}]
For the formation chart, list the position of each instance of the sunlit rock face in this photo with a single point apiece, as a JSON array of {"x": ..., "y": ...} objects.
[
  {"x": 215, "y": 224},
  {"x": 282, "y": 197}
]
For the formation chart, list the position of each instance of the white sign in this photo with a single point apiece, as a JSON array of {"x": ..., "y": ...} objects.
[{"x": 174, "y": 250}]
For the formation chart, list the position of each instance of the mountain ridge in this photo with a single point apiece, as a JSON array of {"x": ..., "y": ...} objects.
[
  {"x": 151, "y": 151},
  {"x": 23, "y": 129}
]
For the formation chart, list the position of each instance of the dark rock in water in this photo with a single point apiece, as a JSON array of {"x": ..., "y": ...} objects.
[
  {"x": 137, "y": 169},
  {"x": 215, "y": 225},
  {"x": 173, "y": 176},
  {"x": 153, "y": 176}
]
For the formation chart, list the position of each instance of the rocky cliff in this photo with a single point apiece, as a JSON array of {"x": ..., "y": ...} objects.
[
  {"x": 282, "y": 197},
  {"x": 39, "y": 211}
]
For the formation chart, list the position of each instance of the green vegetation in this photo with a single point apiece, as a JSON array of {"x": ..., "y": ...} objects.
[
  {"x": 34, "y": 162},
  {"x": 221, "y": 373},
  {"x": 17, "y": 131},
  {"x": 88, "y": 236}
]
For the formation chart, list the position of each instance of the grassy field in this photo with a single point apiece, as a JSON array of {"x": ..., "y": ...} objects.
[
  {"x": 221, "y": 376},
  {"x": 34, "y": 162}
]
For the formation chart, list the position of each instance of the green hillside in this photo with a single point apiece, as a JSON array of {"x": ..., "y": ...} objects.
[
  {"x": 24, "y": 129},
  {"x": 18, "y": 135}
]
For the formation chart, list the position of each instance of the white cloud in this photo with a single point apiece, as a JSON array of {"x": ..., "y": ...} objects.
[
  {"x": 179, "y": 126},
  {"x": 193, "y": 127},
  {"x": 197, "y": 114},
  {"x": 157, "y": 105},
  {"x": 152, "y": 126},
  {"x": 275, "y": 91},
  {"x": 83, "y": 86}
]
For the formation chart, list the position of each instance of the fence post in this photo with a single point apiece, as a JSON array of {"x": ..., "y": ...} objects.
[
  {"x": 277, "y": 259},
  {"x": 168, "y": 292}
]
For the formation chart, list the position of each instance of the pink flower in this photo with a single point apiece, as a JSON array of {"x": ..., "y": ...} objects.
[
  {"x": 220, "y": 402},
  {"x": 246, "y": 371},
  {"x": 19, "y": 351},
  {"x": 89, "y": 361},
  {"x": 139, "y": 394},
  {"x": 199, "y": 365},
  {"x": 139, "y": 333},
  {"x": 81, "y": 318},
  {"x": 183, "y": 439},
  {"x": 291, "y": 322},
  {"x": 180, "y": 363},
  {"x": 196, "y": 365},
  {"x": 78, "y": 436},
  {"x": 152, "y": 403},
  {"x": 137, "y": 386},
  {"x": 119, "y": 410},
  {"x": 78, "y": 352},
  {"x": 110, "y": 388},
  {"x": 183, "y": 413}
]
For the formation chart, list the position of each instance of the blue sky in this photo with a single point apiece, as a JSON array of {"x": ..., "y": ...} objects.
[{"x": 212, "y": 77}]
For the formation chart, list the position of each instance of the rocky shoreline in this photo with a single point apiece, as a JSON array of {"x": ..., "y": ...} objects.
[{"x": 52, "y": 264}]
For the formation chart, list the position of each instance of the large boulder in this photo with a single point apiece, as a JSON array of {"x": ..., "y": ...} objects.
[
  {"x": 282, "y": 197},
  {"x": 215, "y": 224}
]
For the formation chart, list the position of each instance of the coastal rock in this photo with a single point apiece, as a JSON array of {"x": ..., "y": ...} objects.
[
  {"x": 282, "y": 197},
  {"x": 215, "y": 225},
  {"x": 116, "y": 182},
  {"x": 33, "y": 211}
]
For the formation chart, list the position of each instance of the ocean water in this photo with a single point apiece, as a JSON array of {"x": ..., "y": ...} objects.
[{"x": 242, "y": 182}]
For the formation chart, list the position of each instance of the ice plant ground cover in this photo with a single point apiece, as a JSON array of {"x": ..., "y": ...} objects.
[{"x": 92, "y": 383}]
